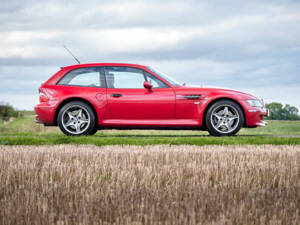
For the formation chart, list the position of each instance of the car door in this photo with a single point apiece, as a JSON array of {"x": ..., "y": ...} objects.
[{"x": 128, "y": 99}]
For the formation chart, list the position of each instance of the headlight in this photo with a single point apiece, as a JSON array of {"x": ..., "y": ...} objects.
[{"x": 255, "y": 103}]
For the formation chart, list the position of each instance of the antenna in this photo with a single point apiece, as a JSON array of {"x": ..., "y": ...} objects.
[{"x": 71, "y": 54}]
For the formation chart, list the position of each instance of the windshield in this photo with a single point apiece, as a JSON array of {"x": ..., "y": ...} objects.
[{"x": 165, "y": 77}]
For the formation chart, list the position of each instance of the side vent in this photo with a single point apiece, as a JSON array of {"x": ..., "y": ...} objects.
[{"x": 192, "y": 97}]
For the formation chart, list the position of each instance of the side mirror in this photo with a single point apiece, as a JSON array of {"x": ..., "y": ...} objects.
[{"x": 147, "y": 85}]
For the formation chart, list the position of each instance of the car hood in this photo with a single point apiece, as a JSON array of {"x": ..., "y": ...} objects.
[{"x": 212, "y": 90}]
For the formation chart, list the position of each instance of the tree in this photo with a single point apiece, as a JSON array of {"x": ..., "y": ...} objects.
[
  {"x": 291, "y": 112},
  {"x": 7, "y": 111},
  {"x": 278, "y": 112}
]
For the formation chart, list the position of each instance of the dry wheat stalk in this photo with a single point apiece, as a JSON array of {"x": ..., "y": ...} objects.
[{"x": 160, "y": 184}]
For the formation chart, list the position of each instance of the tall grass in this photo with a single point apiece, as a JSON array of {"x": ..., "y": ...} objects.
[{"x": 158, "y": 184}]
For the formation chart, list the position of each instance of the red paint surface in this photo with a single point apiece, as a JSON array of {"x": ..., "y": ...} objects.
[{"x": 158, "y": 107}]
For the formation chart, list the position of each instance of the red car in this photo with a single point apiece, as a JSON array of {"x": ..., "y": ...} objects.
[{"x": 83, "y": 98}]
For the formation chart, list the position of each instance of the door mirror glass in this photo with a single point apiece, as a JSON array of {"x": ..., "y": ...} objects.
[{"x": 147, "y": 85}]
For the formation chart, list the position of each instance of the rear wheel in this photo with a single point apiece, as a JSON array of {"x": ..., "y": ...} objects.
[
  {"x": 76, "y": 118},
  {"x": 224, "y": 118}
]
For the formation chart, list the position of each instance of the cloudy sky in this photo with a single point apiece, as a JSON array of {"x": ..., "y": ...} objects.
[{"x": 253, "y": 46}]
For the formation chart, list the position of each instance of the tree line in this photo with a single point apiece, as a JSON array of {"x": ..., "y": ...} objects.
[{"x": 280, "y": 112}]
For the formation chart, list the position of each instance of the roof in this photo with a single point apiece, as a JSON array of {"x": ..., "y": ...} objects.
[{"x": 103, "y": 64}]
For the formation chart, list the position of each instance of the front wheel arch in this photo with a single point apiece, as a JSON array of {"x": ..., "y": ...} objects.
[{"x": 220, "y": 99}]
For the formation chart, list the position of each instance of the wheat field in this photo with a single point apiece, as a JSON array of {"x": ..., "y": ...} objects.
[{"x": 158, "y": 184}]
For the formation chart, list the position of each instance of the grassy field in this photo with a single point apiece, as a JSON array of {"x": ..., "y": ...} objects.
[
  {"x": 134, "y": 179},
  {"x": 159, "y": 184},
  {"x": 24, "y": 131}
]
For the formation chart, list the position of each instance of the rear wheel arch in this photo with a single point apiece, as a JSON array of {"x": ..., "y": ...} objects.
[
  {"x": 220, "y": 99},
  {"x": 71, "y": 100}
]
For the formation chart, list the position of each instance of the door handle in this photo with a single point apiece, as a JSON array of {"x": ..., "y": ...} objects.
[{"x": 116, "y": 95}]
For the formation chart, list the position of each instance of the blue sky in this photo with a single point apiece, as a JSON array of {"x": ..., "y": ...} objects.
[{"x": 252, "y": 46}]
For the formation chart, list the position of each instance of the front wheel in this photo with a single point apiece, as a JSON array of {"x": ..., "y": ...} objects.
[
  {"x": 76, "y": 118},
  {"x": 224, "y": 118}
]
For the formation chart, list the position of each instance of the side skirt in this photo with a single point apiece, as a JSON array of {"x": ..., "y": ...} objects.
[{"x": 173, "y": 124}]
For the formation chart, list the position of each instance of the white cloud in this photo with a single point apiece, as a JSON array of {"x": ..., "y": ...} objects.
[{"x": 252, "y": 45}]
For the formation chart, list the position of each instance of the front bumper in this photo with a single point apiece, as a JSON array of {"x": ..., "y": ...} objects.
[
  {"x": 45, "y": 112},
  {"x": 255, "y": 116}
]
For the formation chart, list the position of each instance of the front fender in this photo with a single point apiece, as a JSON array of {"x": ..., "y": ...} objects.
[{"x": 208, "y": 101}]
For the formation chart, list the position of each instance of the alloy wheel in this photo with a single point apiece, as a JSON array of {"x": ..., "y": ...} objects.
[
  {"x": 225, "y": 118},
  {"x": 76, "y": 119}
]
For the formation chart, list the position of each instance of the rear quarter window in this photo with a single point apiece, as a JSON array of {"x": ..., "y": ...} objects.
[{"x": 86, "y": 77}]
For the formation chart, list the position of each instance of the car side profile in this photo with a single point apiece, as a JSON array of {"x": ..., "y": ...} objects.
[{"x": 84, "y": 98}]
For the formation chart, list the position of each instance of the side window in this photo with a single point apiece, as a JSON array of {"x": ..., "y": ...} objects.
[
  {"x": 156, "y": 83},
  {"x": 87, "y": 77},
  {"x": 124, "y": 77}
]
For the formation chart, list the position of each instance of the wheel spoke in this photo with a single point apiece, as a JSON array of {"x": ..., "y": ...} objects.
[
  {"x": 227, "y": 126},
  {"x": 231, "y": 119},
  {"x": 69, "y": 123},
  {"x": 230, "y": 122},
  {"x": 83, "y": 120},
  {"x": 219, "y": 124},
  {"x": 226, "y": 111},
  {"x": 78, "y": 127},
  {"x": 70, "y": 115},
  {"x": 79, "y": 113},
  {"x": 217, "y": 116}
]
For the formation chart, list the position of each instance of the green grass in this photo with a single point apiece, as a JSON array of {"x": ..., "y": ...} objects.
[
  {"x": 275, "y": 127},
  {"x": 141, "y": 141},
  {"x": 24, "y": 131}
]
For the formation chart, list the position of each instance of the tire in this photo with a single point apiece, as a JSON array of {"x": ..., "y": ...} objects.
[
  {"x": 76, "y": 118},
  {"x": 94, "y": 131},
  {"x": 224, "y": 118}
]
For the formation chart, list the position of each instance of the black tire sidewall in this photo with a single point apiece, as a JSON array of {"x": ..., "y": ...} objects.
[
  {"x": 94, "y": 131},
  {"x": 208, "y": 121},
  {"x": 92, "y": 125}
]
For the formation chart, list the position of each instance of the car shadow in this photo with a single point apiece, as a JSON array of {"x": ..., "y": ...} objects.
[{"x": 186, "y": 136}]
